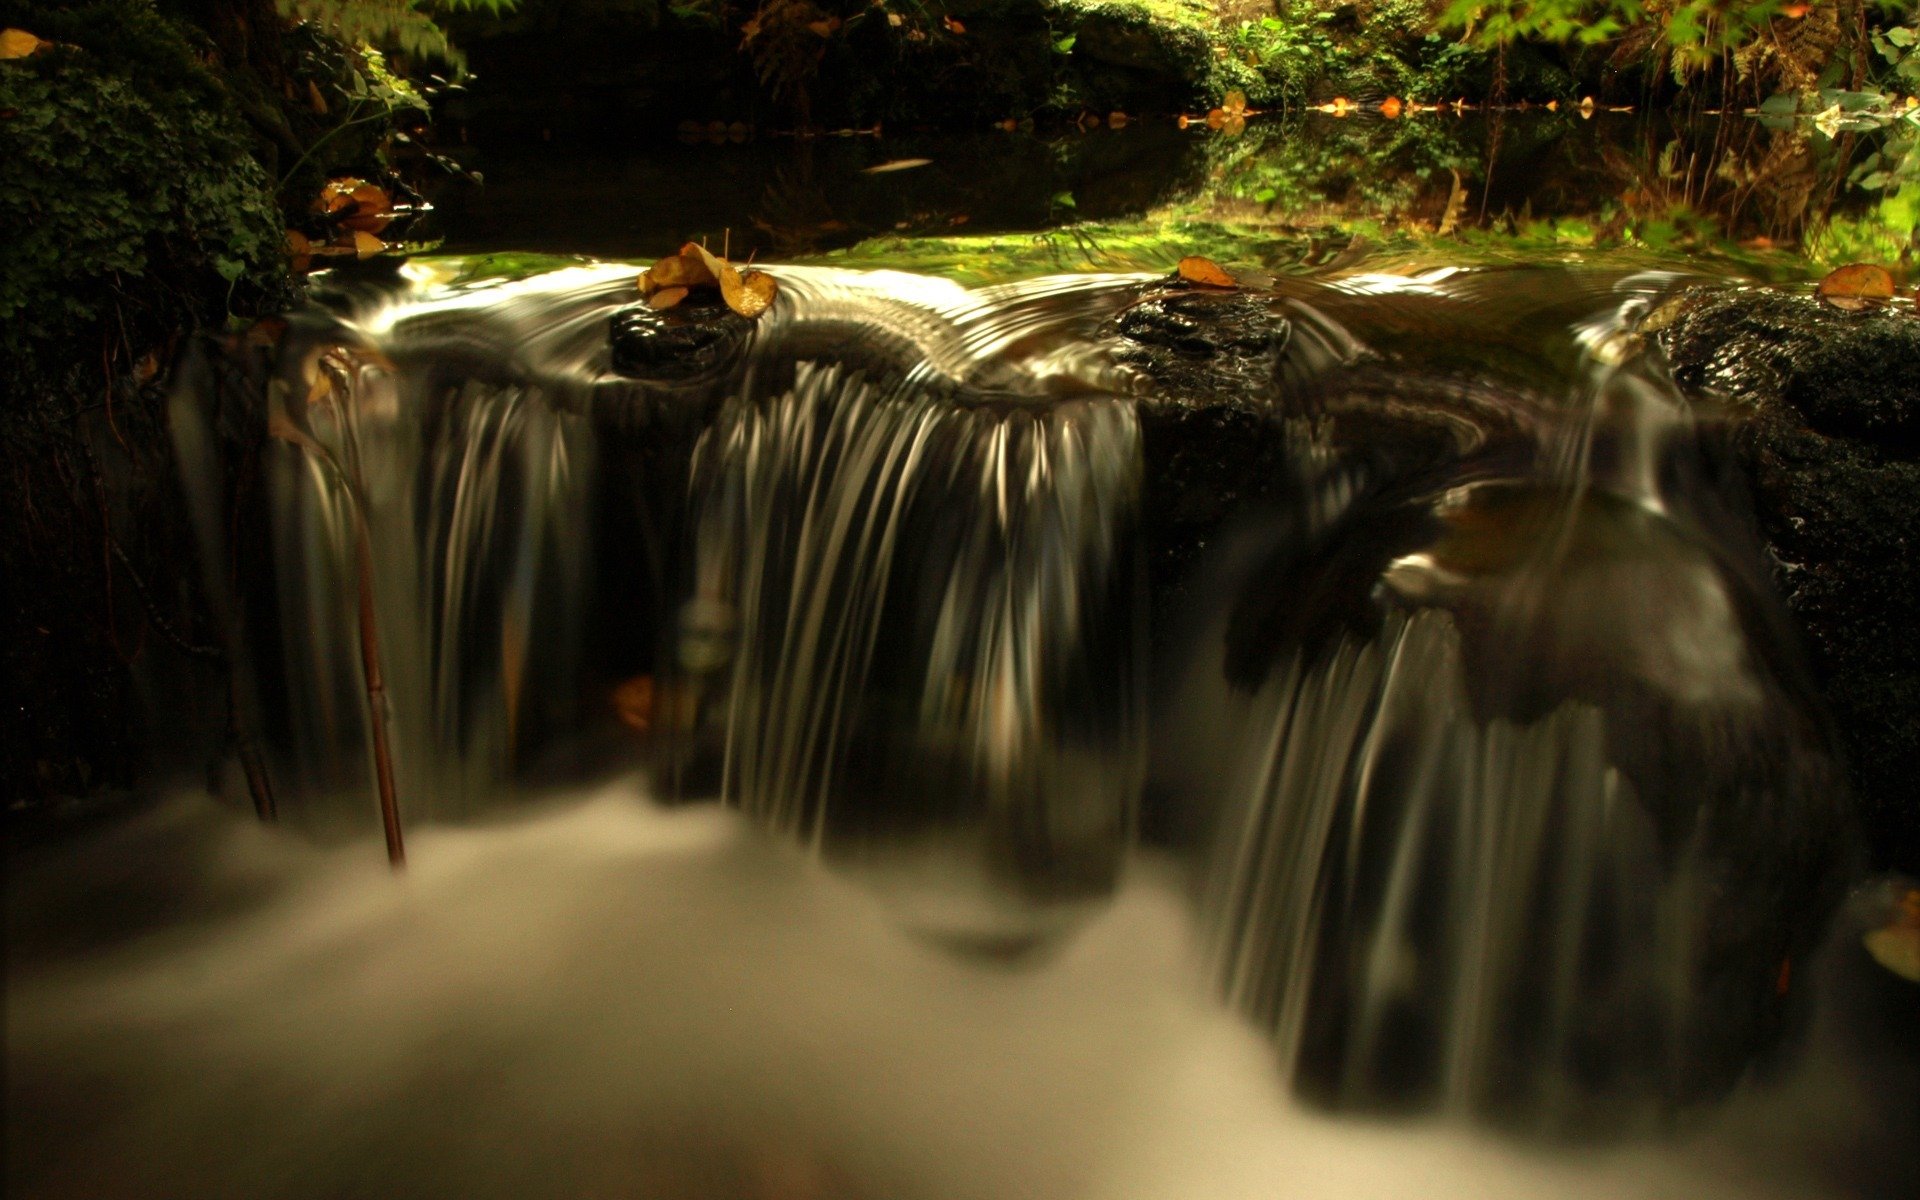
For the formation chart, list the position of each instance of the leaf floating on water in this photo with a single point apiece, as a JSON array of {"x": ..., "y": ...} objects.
[
  {"x": 1856, "y": 287},
  {"x": 667, "y": 297},
  {"x": 897, "y": 164},
  {"x": 18, "y": 43},
  {"x": 1206, "y": 272}
]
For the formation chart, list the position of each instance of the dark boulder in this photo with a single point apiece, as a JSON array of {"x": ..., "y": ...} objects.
[{"x": 1827, "y": 432}]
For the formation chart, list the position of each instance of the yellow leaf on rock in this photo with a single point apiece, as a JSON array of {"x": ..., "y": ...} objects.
[
  {"x": 704, "y": 266},
  {"x": 1856, "y": 287},
  {"x": 1204, "y": 271},
  {"x": 18, "y": 43},
  {"x": 750, "y": 294}
]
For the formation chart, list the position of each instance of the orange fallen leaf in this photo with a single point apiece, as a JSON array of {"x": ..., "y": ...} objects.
[
  {"x": 1206, "y": 272},
  {"x": 666, "y": 297},
  {"x": 18, "y": 43},
  {"x": 1856, "y": 287}
]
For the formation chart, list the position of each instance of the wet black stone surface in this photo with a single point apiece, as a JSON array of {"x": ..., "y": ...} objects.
[{"x": 1827, "y": 434}]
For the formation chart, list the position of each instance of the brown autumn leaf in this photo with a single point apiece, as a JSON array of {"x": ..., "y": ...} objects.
[
  {"x": 1856, "y": 287},
  {"x": 372, "y": 209},
  {"x": 18, "y": 43},
  {"x": 667, "y": 297},
  {"x": 748, "y": 294},
  {"x": 707, "y": 266},
  {"x": 1206, "y": 272}
]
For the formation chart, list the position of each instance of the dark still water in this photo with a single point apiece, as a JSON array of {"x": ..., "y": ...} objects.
[{"x": 1743, "y": 195}]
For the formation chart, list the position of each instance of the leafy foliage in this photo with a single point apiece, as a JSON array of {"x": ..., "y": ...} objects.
[
  {"x": 132, "y": 197},
  {"x": 408, "y": 26}
]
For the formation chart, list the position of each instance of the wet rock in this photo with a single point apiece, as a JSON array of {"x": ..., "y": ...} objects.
[
  {"x": 679, "y": 343},
  {"x": 1827, "y": 409},
  {"x": 1210, "y": 445}
]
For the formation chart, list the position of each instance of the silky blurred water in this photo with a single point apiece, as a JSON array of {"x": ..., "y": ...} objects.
[{"x": 608, "y": 998}]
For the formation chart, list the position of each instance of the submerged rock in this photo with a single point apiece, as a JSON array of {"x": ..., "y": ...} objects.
[{"x": 1828, "y": 436}]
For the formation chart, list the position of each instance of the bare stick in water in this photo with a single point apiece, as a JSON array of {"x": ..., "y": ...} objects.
[{"x": 376, "y": 692}]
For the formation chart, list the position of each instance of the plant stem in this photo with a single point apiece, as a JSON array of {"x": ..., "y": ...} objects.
[{"x": 377, "y": 707}]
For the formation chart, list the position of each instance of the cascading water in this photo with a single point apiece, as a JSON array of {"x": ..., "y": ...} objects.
[
  {"x": 1505, "y": 763},
  {"x": 915, "y": 592},
  {"x": 1522, "y": 782}
]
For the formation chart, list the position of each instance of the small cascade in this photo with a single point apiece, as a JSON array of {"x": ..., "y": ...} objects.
[
  {"x": 408, "y": 497},
  {"x": 915, "y": 600},
  {"x": 1507, "y": 767},
  {"x": 1525, "y": 756}
]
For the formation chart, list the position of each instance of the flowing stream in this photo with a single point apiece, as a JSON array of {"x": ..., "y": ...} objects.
[{"x": 1457, "y": 820}]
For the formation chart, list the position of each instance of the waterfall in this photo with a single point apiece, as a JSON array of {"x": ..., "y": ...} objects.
[
  {"x": 1505, "y": 760},
  {"x": 1510, "y": 799}
]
